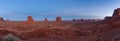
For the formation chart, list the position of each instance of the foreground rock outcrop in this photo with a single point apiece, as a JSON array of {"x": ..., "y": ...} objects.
[
  {"x": 116, "y": 13},
  {"x": 114, "y": 17}
]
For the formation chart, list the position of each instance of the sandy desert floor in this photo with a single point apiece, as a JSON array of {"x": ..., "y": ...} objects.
[{"x": 63, "y": 31}]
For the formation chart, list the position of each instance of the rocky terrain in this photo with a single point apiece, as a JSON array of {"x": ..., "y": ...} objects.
[{"x": 107, "y": 29}]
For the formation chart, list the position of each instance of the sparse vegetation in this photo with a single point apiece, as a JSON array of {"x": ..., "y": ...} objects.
[{"x": 10, "y": 37}]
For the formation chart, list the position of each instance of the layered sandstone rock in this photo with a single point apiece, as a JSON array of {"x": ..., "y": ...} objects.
[
  {"x": 58, "y": 19},
  {"x": 30, "y": 19}
]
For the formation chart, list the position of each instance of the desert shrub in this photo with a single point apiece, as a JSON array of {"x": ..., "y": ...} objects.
[{"x": 10, "y": 37}]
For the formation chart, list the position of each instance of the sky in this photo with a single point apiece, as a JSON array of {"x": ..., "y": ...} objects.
[{"x": 67, "y": 9}]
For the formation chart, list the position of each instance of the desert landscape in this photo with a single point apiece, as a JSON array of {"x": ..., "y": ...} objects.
[{"x": 107, "y": 29}]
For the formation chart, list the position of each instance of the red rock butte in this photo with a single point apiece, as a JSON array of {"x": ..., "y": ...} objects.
[
  {"x": 116, "y": 12},
  {"x": 45, "y": 20},
  {"x": 58, "y": 19},
  {"x": 30, "y": 19}
]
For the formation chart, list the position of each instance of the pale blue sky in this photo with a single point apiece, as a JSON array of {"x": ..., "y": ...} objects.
[{"x": 68, "y": 9}]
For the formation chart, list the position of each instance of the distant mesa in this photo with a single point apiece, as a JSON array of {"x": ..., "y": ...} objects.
[
  {"x": 1, "y": 19},
  {"x": 30, "y": 19},
  {"x": 114, "y": 17},
  {"x": 58, "y": 19},
  {"x": 73, "y": 20},
  {"x": 108, "y": 18},
  {"x": 45, "y": 20}
]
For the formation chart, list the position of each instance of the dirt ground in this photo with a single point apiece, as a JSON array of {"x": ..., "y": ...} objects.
[{"x": 61, "y": 31}]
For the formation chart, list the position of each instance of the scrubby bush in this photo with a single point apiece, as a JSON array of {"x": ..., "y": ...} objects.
[{"x": 10, "y": 37}]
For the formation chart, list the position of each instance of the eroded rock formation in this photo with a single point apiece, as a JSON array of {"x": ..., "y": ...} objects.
[
  {"x": 114, "y": 17},
  {"x": 45, "y": 20},
  {"x": 116, "y": 12},
  {"x": 58, "y": 19},
  {"x": 30, "y": 19}
]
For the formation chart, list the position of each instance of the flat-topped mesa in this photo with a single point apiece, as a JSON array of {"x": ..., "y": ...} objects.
[
  {"x": 107, "y": 18},
  {"x": 58, "y": 19},
  {"x": 1, "y": 19},
  {"x": 45, "y": 20},
  {"x": 116, "y": 13},
  {"x": 30, "y": 19}
]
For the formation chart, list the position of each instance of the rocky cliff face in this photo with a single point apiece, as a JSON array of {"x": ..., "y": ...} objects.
[
  {"x": 114, "y": 17},
  {"x": 111, "y": 27},
  {"x": 116, "y": 13}
]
